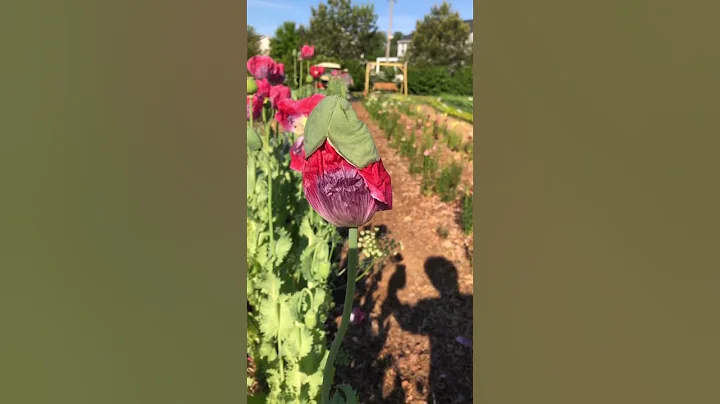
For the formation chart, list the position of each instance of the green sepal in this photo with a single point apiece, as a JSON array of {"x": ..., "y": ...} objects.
[
  {"x": 334, "y": 118},
  {"x": 254, "y": 141}
]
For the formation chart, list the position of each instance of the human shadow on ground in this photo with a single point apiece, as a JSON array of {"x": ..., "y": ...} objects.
[{"x": 443, "y": 319}]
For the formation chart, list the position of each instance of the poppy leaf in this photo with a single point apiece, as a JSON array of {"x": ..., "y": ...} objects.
[
  {"x": 333, "y": 118},
  {"x": 254, "y": 141}
]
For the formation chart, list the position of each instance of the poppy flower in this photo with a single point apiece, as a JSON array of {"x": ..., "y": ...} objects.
[
  {"x": 306, "y": 52},
  {"x": 343, "y": 177},
  {"x": 264, "y": 67},
  {"x": 263, "y": 88},
  {"x": 257, "y": 105},
  {"x": 316, "y": 71},
  {"x": 292, "y": 114},
  {"x": 297, "y": 155},
  {"x": 278, "y": 93}
]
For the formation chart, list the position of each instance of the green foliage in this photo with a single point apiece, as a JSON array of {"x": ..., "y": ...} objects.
[
  {"x": 448, "y": 181},
  {"x": 440, "y": 80},
  {"x": 289, "y": 247},
  {"x": 287, "y": 39},
  {"x": 337, "y": 87},
  {"x": 466, "y": 215},
  {"x": 357, "y": 71},
  {"x": 345, "y": 30},
  {"x": 440, "y": 39},
  {"x": 253, "y": 42},
  {"x": 429, "y": 174}
]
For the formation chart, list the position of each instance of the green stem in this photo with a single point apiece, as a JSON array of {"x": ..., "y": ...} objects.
[
  {"x": 270, "y": 225},
  {"x": 295, "y": 71},
  {"x": 251, "y": 111},
  {"x": 269, "y": 175},
  {"x": 328, "y": 373}
]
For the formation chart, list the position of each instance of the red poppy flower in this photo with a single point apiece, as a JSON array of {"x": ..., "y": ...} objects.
[
  {"x": 297, "y": 155},
  {"x": 278, "y": 93},
  {"x": 264, "y": 67},
  {"x": 342, "y": 194},
  {"x": 257, "y": 105},
  {"x": 316, "y": 71},
  {"x": 289, "y": 111},
  {"x": 263, "y": 87},
  {"x": 306, "y": 52},
  {"x": 343, "y": 177}
]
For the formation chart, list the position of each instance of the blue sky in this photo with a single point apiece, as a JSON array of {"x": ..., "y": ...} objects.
[{"x": 267, "y": 15}]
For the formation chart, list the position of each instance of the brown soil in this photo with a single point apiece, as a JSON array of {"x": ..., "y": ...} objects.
[{"x": 406, "y": 351}]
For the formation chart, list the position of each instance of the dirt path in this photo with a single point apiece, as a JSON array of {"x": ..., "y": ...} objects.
[{"x": 406, "y": 350}]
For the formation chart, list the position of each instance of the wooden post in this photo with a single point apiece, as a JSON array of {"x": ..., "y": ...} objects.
[
  {"x": 405, "y": 81},
  {"x": 368, "y": 66}
]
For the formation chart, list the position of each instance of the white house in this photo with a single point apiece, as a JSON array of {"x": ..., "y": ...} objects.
[{"x": 264, "y": 45}]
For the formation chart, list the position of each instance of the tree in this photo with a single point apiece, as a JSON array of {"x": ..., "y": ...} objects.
[
  {"x": 344, "y": 31},
  {"x": 439, "y": 39},
  {"x": 253, "y": 42},
  {"x": 288, "y": 38}
]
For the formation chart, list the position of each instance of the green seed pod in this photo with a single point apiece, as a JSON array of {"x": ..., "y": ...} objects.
[
  {"x": 310, "y": 320},
  {"x": 251, "y": 86},
  {"x": 308, "y": 79}
]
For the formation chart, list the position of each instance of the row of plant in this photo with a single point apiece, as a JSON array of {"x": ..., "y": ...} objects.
[
  {"x": 455, "y": 106},
  {"x": 312, "y": 168},
  {"x": 422, "y": 142}
]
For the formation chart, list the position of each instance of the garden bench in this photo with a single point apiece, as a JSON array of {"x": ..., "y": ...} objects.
[{"x": 385, "y": 86}]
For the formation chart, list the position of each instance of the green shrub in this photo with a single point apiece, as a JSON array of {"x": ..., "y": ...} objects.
[
  {"x": 448, "y": 181},
  {"x": 429, "y": 170},
  {"x": 454, "y": 141},
  {"x": 439, "y": 80}
]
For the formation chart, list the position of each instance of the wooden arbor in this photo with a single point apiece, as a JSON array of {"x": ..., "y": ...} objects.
[{"x": 371, "y": 65}]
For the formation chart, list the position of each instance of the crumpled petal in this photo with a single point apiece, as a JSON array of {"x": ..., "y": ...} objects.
[
  {"x": 337, "y": 190},
  {"x": 297, "y": 155}
]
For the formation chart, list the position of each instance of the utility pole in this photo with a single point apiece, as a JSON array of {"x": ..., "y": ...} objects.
[{"x": 389, "y": 34}]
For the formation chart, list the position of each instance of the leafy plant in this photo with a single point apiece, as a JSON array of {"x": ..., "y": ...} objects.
[{"x": 448, "y": 181}]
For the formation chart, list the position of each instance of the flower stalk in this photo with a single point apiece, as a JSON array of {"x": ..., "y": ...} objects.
[{"x": 329, "y": 373}]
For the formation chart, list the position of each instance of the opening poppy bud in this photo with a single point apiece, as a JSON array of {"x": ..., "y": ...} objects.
[
  {"x": 343, "y": 177},
  {"x": 251, "y": 85}
]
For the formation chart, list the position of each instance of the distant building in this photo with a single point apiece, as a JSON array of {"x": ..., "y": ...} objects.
[
  {"x": 402, "y": 45},
  {"x": 264, "y": 45}
]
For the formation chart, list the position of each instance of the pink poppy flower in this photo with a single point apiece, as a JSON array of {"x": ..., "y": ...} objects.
[
  {"x": 264, "y": 67},
  {"x": 263, "y": 88},
  {"x": 289, "y": 111},
  {"x": 426, "y": 152},
  {"x": 278, "y": 93},
  {"x": 257, "y": 105},
  {"x": 306, "y": 52}
]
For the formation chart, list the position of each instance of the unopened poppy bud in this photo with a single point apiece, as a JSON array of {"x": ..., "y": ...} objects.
[
  {"x": 308, "y": 79},
  {"x": 251, "y": 85}
]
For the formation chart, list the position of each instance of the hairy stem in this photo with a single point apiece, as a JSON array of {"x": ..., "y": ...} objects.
[{"x": 328, "y": 373}]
